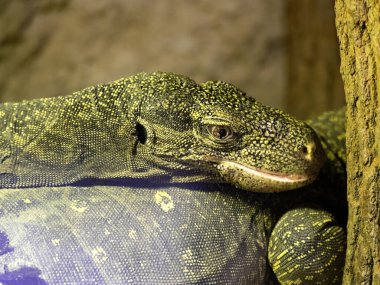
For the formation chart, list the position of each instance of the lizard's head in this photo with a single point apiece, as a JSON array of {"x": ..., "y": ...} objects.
[
  {"x": 251, "y": 145},
  {"x": 216, "y": 127}
]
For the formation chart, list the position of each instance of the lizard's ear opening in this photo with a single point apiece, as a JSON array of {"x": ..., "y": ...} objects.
[{"x": 141, "y": 133}]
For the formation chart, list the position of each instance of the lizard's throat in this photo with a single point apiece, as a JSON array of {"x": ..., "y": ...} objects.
[{"x": 258, "y": 180}]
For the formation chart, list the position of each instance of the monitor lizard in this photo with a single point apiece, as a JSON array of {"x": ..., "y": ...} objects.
[{"x": 141, "y": 181}]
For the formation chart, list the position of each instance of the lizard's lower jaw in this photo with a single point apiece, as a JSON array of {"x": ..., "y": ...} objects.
[{"x": 256, "y": 180}]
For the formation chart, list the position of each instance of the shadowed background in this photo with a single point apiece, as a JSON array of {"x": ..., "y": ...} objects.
[{"x": 283, "y": 53}]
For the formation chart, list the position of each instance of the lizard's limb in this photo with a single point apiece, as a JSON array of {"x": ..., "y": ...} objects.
[{"x": 307, "y": 247}]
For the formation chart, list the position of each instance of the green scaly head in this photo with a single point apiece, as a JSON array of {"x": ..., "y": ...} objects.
[
  {"x": 216, "y": 129},
  {"x": 156, "y": 126}
]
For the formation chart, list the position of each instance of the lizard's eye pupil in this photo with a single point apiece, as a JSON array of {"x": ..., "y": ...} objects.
[{"x": 220, "y": 132}]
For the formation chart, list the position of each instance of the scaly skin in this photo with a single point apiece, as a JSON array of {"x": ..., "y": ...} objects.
[
  {"x": 117, "y": 185},
  {"x": 158, "y": 125},
  {"x": 307, "y": 244}
]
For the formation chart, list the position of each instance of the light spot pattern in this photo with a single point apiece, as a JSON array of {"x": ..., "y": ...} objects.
[{"x": 307, "y": 247}]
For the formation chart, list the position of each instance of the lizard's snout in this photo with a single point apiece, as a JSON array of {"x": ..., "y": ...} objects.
[
  {"x": 308, "y": 151},
  {"x": 311, "y": 152}
]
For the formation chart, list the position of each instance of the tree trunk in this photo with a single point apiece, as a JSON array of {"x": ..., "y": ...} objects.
[{"x": 358, "y": 26}]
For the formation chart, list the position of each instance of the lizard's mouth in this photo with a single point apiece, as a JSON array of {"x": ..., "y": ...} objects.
[{"x": 259, "y": 180}]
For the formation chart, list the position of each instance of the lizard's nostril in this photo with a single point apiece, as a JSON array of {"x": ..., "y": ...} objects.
[
  {"x": 304, "y": 150},
  {"x": 307, "y": 151}
]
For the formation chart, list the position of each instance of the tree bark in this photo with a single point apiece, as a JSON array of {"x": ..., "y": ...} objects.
[{"x": 358, "y": 27}]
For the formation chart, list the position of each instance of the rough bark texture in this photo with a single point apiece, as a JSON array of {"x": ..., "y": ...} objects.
[
  {"x": 358, "y": 26},
  {"x": 314, "y": 84}
]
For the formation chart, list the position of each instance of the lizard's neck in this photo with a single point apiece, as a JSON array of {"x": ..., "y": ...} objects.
[
  {"x": 64, "y": 140},
  {"x": 331, "y": 130}
]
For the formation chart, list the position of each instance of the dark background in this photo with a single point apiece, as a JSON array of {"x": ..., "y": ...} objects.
[{"x": 283, "y": 53}]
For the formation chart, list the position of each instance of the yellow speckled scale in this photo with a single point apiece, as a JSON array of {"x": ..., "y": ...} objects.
[{"x": 307, "y": 247}]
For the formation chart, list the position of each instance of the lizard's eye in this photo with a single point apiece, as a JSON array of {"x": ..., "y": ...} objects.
[{"x": 220, "y": 133}]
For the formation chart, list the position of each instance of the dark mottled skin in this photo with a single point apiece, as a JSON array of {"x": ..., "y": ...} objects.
[{"x": 105, "y": 187}]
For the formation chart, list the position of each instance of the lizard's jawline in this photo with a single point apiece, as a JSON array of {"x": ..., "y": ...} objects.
[{"x": 272, "y": 176}]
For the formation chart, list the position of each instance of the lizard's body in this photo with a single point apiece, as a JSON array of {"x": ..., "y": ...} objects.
[{"x": 78, "y": 212}]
